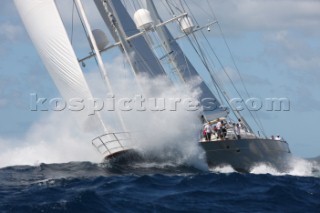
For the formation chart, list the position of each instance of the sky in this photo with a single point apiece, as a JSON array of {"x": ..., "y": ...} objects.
[{"x": 275, "y": 44}]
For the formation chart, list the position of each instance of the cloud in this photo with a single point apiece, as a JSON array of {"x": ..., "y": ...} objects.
[
  {"x": 304, "y": 99},
  {"x": 53, "y": 139},
  {"x": 237, "y": 17},
  {"x": 295, "y": 60},
  {"x": 9, "y": 34},
  {"x": 9, "y": 31},
  {"x": 236, "y": 78},
  {"x": 7, "y": 91},
  {"x": 301, "y": 58},
  {"x": 271, "y": 15},
  {"x": 3, "y": 102},
  {"x": 16, "y": 87}
]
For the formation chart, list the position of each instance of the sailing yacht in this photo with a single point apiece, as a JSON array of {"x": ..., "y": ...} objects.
[{"x": 151, "y": 48}]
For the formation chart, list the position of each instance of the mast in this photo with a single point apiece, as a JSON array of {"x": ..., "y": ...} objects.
[
  {"x": 98, "y": 56},
  {"x": 118, "y": 33},
  {"x": 121, "y": 26},
  {"x": 165, "y": 40},
  {"x": 164, "y": 34},
  {"x": 183, "y": 66}
]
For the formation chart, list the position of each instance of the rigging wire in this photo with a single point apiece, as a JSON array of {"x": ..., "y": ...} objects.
[
  {"x": 235, "y": 64},
  {"x": 175, "y": 70},
  {"x": 87, "y": 36},
  {"x": 64, "y": 23},
  {"x": 72, "y": 21},
  {"x": 82, "y": 25},
  {"x": 253, "y": 115},
  {"x": 172, "y": 12},
  {"x": 173, "y": 5},
  {"x": 133, "y": 5},
  {"x": 256, "y": 120},
  {"x": 205, "y": 59},
  {"x": 165, "y": 55},
  {"x": 229, "y": 50},
  {"x": 166, "y": 6},
  {"x": 215, "y": 83}
]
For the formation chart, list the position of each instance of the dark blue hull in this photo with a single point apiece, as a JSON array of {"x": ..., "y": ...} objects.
[{"x": 244, "y": 154}]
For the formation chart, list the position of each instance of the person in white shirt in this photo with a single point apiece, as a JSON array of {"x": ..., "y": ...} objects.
[
  {"x": 237, "y": 131},
  {"x": 242, "y": 126},
  {"x": 218, "y": 126},
  {"x": 278, "y": 138},
  {"x": 207, "y": 129}
]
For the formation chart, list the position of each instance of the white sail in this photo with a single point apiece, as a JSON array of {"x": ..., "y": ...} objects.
[
  {"x": 44, "y": 25},
  {"x": 47, "y": 32}
]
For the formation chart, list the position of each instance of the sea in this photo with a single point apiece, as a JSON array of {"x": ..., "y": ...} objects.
[{"x": 157, "y": 187}]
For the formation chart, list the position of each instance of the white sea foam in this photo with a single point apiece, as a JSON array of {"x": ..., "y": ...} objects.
[
  {"x": 167, "y": 135},
  {"x": 297, "y": 167},
  {"x": 54, "y": 139},
  {"x": 222, "y": 169},
  {"x": 264, "y": 169},
  {"x": 170, "y": 136}
]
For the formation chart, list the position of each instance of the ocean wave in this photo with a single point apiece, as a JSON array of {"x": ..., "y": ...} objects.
[{"x": 89, "y": 187}]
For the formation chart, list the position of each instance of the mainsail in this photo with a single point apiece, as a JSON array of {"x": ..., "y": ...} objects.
[
  {"x": 45, "y": 28},
  {"x": 185, "y": 67},
  {"x": 142, "y": 58},
  {"x": 44, "y": 25}
]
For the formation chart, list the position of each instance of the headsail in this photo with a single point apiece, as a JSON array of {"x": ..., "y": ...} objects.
[{"x": 45, "y": 28}]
